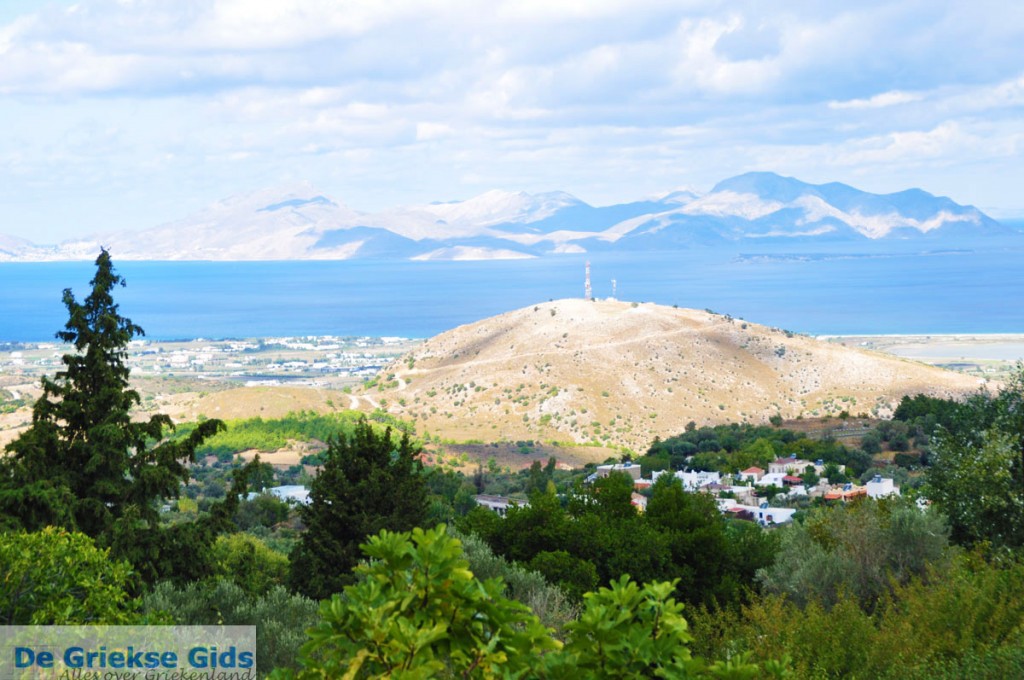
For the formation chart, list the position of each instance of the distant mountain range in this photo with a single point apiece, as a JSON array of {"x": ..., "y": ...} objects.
[{"x": 755, "y": 208}]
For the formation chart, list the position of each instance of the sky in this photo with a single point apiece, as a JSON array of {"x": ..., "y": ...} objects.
[{"x": 126, "y": 114}]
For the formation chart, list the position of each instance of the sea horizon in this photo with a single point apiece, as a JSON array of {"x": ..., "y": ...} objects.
[{"x": 822, "y": 293}]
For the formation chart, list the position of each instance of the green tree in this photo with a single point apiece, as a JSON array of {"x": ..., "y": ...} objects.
[
  {"x": 572, "y": 574},
  {"x": 549, "y": 602},
  {"x": 694, "y": 530},
  {"x": 976, "y": 472},
  {"x": 367, "y": 483},
  {"x": 56, "y": 576},
  {"x": 610, "y": 497},
  {"x": 262, "y": 475},
  {"x": 86, "y": 465},
  {"x": 861, "y": 550},
  {"x": 281, "y": 618},
  {"x": 834, "y": 475},
  {"x": 810, "y": 476},
  {"x": 248, "y": 561},
  {"x": 629, "y": 631},
  {"x": 264, "y": 510},
  {"x": 971, "y": 480},
  {"x": 871, "y": 442},
  {"x": 417, "y": 611},
  {"x": 537, "y": 481}
]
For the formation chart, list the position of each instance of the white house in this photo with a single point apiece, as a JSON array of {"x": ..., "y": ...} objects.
[
  {"x": 772, "y": 479},
  {"x": 788, "y": 465},
  {"x": 628, "y": 468},
  {"x": 798, "y": 466},
  {"x": 751, "y": 474},
  {"x": 762, "y": 514},
  {"x": 880, "y": 488},
  {"x": 743, "y": 494},
  {"x": 289, "y": 493},
  {"x": 692, "y": 480},
  {"x": 497, "y": 504}
]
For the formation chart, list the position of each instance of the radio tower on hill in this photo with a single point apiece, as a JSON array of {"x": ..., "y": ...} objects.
[{"x": 588, "y": 293}]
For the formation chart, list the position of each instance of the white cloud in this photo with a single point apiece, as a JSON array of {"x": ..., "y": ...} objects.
[
  {"x": 430, "y": 131},
  {"x": 415, "y": 100},
  {"x": 913, "y": 145},
  {"x": 879, "y": 101}
]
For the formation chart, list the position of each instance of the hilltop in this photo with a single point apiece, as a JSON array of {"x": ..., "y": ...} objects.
[{"x": 622, "y": 373}]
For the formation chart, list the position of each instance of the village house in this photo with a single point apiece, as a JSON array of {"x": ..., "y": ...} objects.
[
  {"x": 792, "y": 465},
  {"x": 772, "y": 479},
  {"x": 880, "y": 487},
  {"x": 498, "y": 504},
  {"x": 627, "y": 468},
  {"x": 846, "y": 492},
  {"x": 762, "y": 514},
  {"x": 751, "y": 474},
  {"x": 289, "y": 493},
  {"x": 692, "y": 480},
  {"x": 788, "y": 465},
  {"x": 740, "y": 494}
]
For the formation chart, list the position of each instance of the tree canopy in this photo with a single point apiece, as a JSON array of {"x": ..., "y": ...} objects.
[
  {"x": 86, "y": 465},
  {"x": 367, "y": 483},
  {"x": 38, "y": 587},
  {"x": 417, "y": 611},
  {"x": 977, "y": 467}
]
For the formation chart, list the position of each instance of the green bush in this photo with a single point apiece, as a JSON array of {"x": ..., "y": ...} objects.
[
  {"x": 60, "y": 577},
  {"x": 280, "y": 617},
  {"x": 249, "y": 563},
  {"x": 417, "y": 611}
]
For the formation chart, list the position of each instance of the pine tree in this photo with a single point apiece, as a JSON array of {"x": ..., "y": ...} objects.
[
  {"x": 366, "y": 484},
  {"x": 84, "y": 464}
]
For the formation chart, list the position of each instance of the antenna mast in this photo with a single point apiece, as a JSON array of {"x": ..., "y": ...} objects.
[{"x": 588, "y": 293}]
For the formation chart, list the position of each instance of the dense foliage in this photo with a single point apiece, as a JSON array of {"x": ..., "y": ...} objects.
[
  {"x": 599, "y": 536},
  {"x": 861, "y": 551},
  {"x": 281, "y": 617},
  {"x": 368, "y": 483},
  {"x": 417, "y": 611},
  {"x": 735, "y": 447},
  {"x": 549, "y": 602},
  {"x": 977, "y": 468},
  {"x": 86, "y": 465},
  {"x": 55, "y": 576},
  {"x": 967, "y": 624},
  {"x": 263, "y": 434}
]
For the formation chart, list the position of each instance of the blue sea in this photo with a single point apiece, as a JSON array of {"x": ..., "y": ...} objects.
[{"x": 837, "y": 291}]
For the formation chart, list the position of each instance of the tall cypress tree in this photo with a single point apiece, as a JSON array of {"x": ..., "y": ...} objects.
[
  {"x": 367, "y": 483},
  {"x": 84, "y": 464}
]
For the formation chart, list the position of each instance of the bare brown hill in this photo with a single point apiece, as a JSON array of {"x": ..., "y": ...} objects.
[{"x": 622, "y": 373}]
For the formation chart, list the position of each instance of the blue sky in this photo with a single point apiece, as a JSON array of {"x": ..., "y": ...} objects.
[{"x": 124, "y": 114}]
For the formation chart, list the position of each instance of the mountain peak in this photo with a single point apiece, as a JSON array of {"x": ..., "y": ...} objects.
[
  {"x": 497, "y": 207},
  {"x": 766, "y": 185},
  {"x": 298, "y": 203}
]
